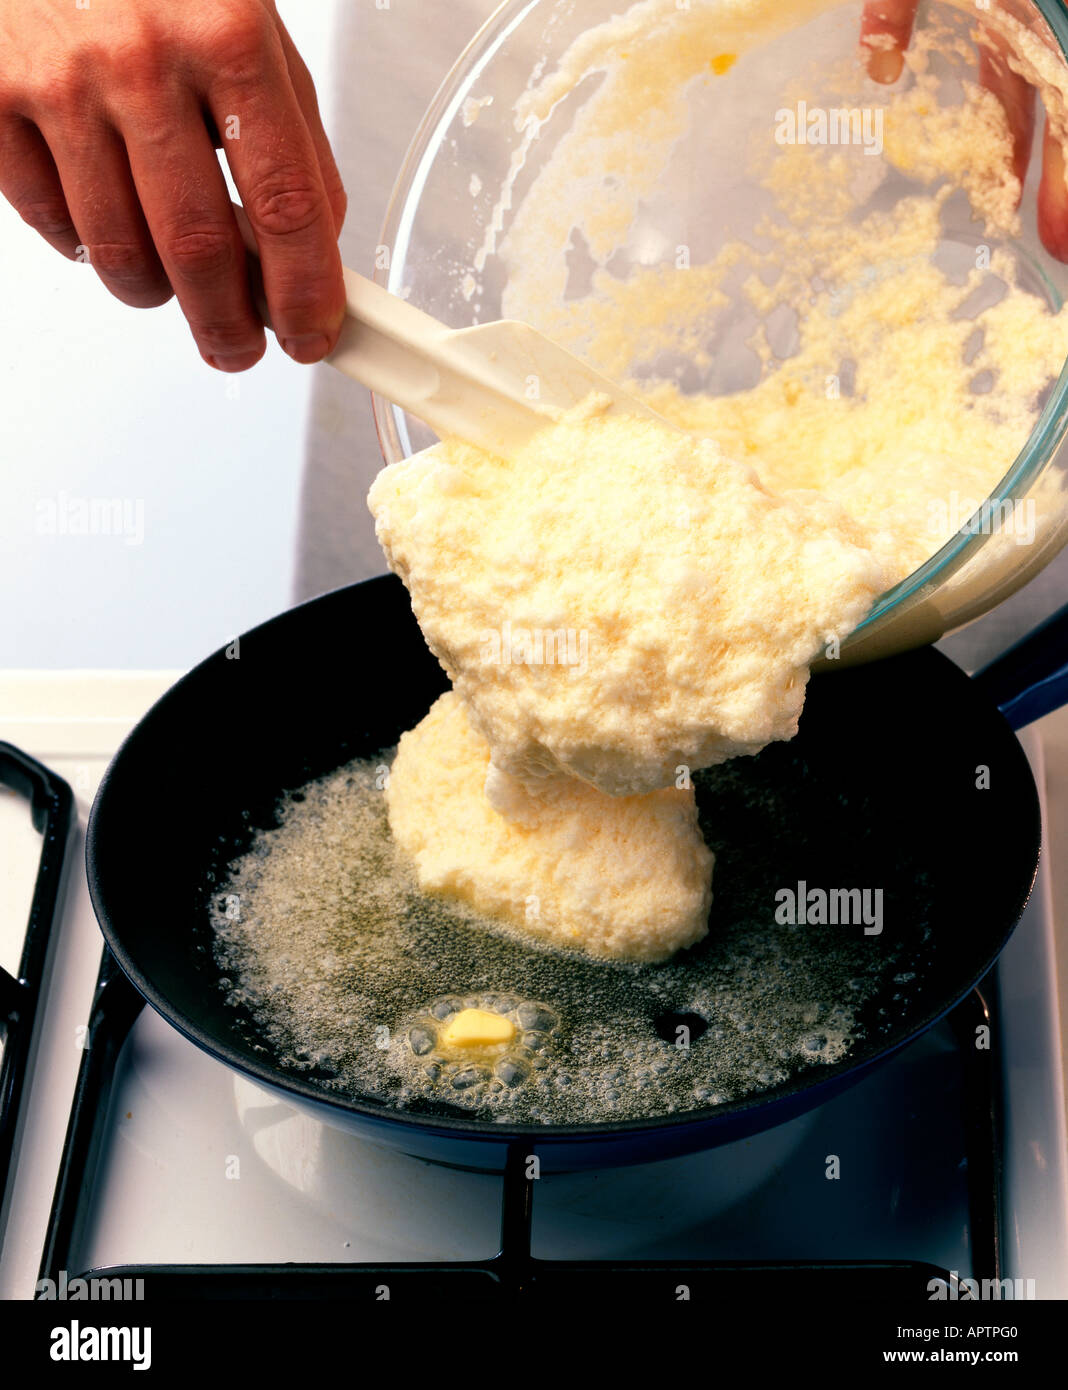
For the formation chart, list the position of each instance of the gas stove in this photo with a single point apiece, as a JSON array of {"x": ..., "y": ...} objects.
[{"x": 951, "y": 1160}]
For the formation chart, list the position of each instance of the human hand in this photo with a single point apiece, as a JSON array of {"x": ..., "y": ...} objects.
[
  {"x": 109, "y": 120},
  {"x": 886, "y": 30}
]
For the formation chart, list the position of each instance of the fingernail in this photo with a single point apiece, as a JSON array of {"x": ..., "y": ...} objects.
[
  {"x": 1053, "y": 199},
  {"x": 310, "y": 347},
  {"x": 885, "y": 65}
]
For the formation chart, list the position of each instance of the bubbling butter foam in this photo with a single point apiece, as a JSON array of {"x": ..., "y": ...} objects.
[{"x": 331, "y": 955}]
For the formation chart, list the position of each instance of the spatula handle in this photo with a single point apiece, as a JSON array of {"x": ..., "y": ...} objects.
[{"x": 419, "y": 363}]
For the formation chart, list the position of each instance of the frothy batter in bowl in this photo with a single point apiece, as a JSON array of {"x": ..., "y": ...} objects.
[{"x": 853, "y": 315}]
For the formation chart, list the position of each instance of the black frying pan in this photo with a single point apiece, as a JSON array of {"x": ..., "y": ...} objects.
[{"x": 883, "y": 786}]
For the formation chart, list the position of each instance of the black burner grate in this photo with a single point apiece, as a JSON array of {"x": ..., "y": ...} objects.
[{"x": 51, "y": 805}]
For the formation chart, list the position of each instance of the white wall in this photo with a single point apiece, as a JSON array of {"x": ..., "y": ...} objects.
[{"x": 100, "y": 401}]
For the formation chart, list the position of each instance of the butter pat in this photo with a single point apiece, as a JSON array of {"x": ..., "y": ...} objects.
[
  {"x": 622, "y": 877},
  {"x": 620, "y": 602},
  {"x": 477, "y": 1028}
]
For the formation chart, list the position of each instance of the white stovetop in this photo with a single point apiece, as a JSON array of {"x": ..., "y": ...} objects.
[{"x": 347, "y": 1200}]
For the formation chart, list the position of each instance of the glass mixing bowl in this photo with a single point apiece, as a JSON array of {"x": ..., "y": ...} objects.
[{"x": 445, "y": 243}]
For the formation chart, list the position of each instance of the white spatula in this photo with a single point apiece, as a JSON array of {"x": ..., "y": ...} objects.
[{"x": 493, "y": 385}]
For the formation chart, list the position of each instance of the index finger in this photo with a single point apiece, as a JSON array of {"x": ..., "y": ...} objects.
[
  {"x": 274, "y": 161},
  {"x": 885, "y": 31}
]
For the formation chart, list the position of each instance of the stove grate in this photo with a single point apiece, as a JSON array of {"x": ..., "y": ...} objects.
[{"x": 52, "y": 807}]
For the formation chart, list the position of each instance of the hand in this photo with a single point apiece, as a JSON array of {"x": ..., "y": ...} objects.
[
  {"x": 889, "y": 23},
  {"x": 109, "y": 120}
]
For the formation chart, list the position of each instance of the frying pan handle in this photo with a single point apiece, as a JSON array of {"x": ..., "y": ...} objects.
[{"x": 1031, "y": 678}]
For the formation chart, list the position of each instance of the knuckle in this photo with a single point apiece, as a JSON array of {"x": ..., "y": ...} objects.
[
  {"x": 47, "y": 214},
  {"x": 236, "y": 43},
  {"x": 64, "y": 86},
  {"x": 285, "y": 202},
  {"x": 138, "y": 72},
  {"x": 202, "y": 253},
  {"x": 305, "y": 304},
  {"x": 66, "y": 90},
  {"x": 224, "y": 337},
  {"x": 123, "y": 262}
]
